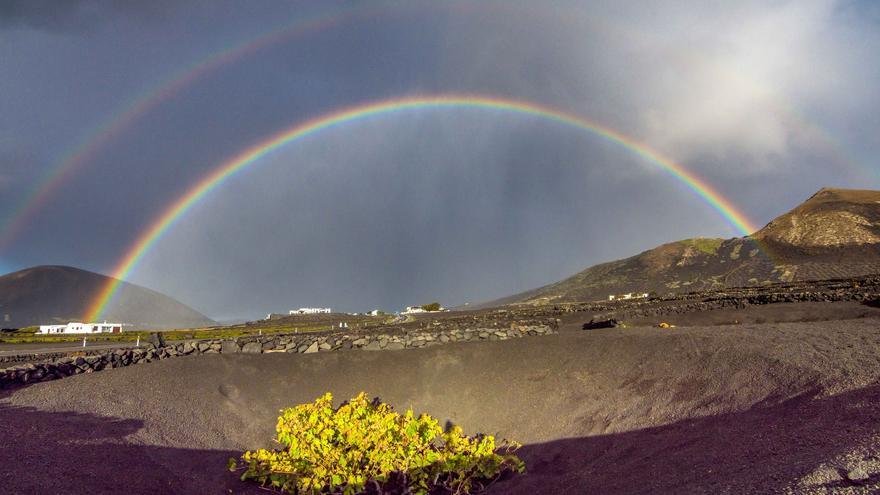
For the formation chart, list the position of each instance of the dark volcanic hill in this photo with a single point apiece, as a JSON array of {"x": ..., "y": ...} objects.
[
  {"x": 834, "y": 234},
  {"x": 59, "y": 294}
]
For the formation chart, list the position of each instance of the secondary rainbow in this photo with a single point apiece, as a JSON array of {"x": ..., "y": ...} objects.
[
  {"x": 86, "y": 150},
  {"x": 226, "y": 170},
  {"x": 121, "y": 121}
]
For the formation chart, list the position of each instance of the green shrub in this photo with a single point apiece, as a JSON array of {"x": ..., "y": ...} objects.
[
  {"x": 434, "y": 306},
  {"x": 363, "y": 442},
  {"x": 702, "y": 244}
]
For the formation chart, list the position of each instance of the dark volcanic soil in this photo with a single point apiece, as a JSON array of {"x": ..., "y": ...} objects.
[
  {"x": 754, "y": 408},
  {"x": 770, "y": 313}
]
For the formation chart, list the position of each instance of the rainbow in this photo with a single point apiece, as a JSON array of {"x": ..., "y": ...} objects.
[
  {"x": 150, "y": 236},
  {"x": 86, "y": 150}
]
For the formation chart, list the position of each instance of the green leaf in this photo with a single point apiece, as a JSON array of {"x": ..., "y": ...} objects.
[{"x": 365, "y": 440}]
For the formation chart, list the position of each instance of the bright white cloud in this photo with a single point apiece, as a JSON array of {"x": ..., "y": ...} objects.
[{"x": 731, "y": 81}]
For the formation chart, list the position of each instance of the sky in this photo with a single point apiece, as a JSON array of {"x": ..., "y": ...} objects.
[{"x": 766, "y": 101}]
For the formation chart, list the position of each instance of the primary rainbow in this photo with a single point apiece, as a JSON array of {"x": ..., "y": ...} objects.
[
  {"x": 86, "y": 150},
  {"x": 150, "y": 236}
]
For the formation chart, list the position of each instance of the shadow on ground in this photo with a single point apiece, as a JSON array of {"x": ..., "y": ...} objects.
[
  {"x": 50, "y": 452},
  {"x": 762, "y": 450}
]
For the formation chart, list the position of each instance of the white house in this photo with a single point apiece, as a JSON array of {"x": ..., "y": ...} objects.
[
  {"x": 628, "y": 295},
  {"x": 76, "y": 327},
  {"x": 418, "y": 309},
  {"x": 375, "y": 312},
  {"x": 310, "y": 311}
]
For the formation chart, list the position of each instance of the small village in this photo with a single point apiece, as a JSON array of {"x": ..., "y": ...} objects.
[{"x": 80, "y": 328}]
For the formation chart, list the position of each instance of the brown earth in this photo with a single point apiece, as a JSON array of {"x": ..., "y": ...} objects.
[
  {"x": 751, "y": 408},
  {"x": 771, "y": 313},
  {"x": 833, "y": 234}
]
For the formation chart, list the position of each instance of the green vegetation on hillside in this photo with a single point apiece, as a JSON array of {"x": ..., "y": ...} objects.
[
  {"x": 708, "y": 246},
  {"x": 341, "y": 451},
  {"x": 434, "y": 306}
]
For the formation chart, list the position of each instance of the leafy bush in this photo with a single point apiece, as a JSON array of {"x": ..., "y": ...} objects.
[
  {"x": 434, "y": 306},
  {"x": 365, "y": 446}
]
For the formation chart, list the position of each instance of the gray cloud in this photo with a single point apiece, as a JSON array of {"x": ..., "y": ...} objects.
[
  {"x": 766, "y": 102},
  {"x": 77, "y": 15},
  {"x": 746, "y": 81}
]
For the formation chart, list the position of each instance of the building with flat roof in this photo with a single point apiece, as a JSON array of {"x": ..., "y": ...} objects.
[
  {"x": 310, "y": 311},
  {"x": 629, "y": 295},
  {"x": 76, "y": 327}
]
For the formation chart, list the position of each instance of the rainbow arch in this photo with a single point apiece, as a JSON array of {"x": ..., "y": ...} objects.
[
  {"x": 85, "y": 150},
  {"x": 227, "y": 169}
]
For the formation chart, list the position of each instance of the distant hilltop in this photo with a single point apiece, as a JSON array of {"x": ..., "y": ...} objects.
[
  {"x": 45, "y": 295},
  {"x": 830, "y": 219},
  {"x": 833, "y": 234}
]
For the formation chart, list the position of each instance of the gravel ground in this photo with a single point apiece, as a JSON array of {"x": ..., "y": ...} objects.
[{"x": 753, "y": 408}]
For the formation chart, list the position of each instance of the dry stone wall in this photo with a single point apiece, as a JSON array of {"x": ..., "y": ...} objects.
[
  {"x": 864, "y": 289},
  {"x": 68, "y": 365}
]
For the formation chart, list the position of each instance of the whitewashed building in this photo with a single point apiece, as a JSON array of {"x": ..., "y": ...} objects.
[
  {"x": 418, "y": 309},
  {"x": 310, "y": 311},
  {"x": 77, "y": 327},
  {"x": 630, "y": 295}
]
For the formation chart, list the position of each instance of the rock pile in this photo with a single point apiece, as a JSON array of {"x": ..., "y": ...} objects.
[{"x": 292, "y": 343}]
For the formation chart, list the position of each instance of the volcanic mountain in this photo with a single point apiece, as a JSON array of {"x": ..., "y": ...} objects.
[
  {"x": 59, "y": 294},
  {"x": 834, "y": 234}
]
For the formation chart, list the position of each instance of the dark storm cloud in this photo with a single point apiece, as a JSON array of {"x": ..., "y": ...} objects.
[
  {"x": 77, "y": 15},
  {"x": 760, "y": 100},
  {"x": 41, "y": 14}
]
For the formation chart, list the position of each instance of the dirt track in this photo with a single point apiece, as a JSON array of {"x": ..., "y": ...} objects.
[{"x": 723, "y": 409}]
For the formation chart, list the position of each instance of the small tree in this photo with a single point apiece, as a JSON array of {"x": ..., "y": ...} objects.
[{"x": 434, "y": 306}]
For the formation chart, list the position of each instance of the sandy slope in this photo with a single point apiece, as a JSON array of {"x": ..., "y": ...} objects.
[{"x": 725, "y": 409}]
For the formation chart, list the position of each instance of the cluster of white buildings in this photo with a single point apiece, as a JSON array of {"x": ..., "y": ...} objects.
[
  {"x": 310, "y": 311},
  {"x": 77, "y": 327},
  {"x": 418, "y": 309},
  {"x": 630, "y": 295},
  {"x": 376, "y": 312}
]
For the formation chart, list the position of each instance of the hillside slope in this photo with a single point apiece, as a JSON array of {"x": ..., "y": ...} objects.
[
  {"x": 754, "y": 409},
  {"x": 58, "y": 294},
  {"x": 835, "y": 233}
]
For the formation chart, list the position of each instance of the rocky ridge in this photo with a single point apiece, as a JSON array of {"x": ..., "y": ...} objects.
[
  {"x": 74, "y": 364},
  {"x": 830, "y": 218},
  {"x": 863, "y": 289},
  {"x": 834, "y": 234}
]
